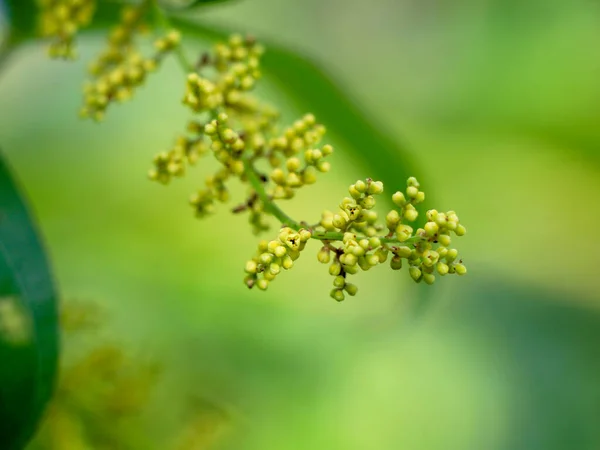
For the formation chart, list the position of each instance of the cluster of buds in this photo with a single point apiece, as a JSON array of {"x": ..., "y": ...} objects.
[
  {"x": 60, "y": 21},
  {"x": 241, "y": 133},
  {"x": 272, "y": 256},
  {"x": 352, "y": 239},
  {"x": 121, "y": 68},
  {"x": 237, "y": 65}
]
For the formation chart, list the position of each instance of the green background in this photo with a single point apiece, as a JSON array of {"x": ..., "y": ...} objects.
[{"x": 499, "y": 104}]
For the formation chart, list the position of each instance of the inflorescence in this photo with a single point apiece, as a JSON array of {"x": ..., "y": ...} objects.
[
  {"x": 60, "y": 20},
  {"x": 244, "y": 137}
]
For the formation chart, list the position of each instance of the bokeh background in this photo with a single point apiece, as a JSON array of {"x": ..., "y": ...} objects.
[{"x": 497, "y": 101}]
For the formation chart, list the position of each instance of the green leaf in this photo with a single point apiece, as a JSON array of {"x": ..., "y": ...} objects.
[
  {"x": 545, "y": 345},
  {"x": 28, "y": 320},
  {"x": 188, "y": 4},
  {"x": 311, "y": 89}
]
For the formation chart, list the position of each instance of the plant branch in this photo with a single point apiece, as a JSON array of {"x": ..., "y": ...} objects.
[{"x": 272, "y": 208}]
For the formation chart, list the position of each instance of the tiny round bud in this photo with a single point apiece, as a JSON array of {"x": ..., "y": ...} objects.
[
  {"x": 444, "y": 240},
  {"x": 323, "y": 256},
  {"x": 339, "y": 281},
  {"x": 411, "y": 214},
  {"x": 392, "y": 219},
  {"x": 376, "y": 187},
  {"x": 339, "y": 221},
  {"x": 415, "y": 273},
  {"x": 412, "y": 191},
  {"x": 403, "y": 232},
  {"x": 327, "y": 150},
  {"x": 396, "y": 263},
  {"x": 262, "y": 284},
  {"x": 460, "y": 269},
  {"x": 429, "y": 278},
  {"x": 251, "y": 266},
  {"x": 337, "y": 295},
  {"x": 451, "y": 255},
  {"x": 442, "y": 268},
  {"x": 351, "y": 289},
  {"x": 460, "y": 230},
  {"x": 360, "y": 186},
  {"x": 412, "y": 181},
  {"x": 399, "y": 199},
  {"x": 287, "y": 262},
  {"x": 431, "y": 228},
  {"x": 335, "y": 268}
]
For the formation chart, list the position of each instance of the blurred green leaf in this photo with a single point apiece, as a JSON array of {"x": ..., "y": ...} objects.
[
  {"x": 311, "y": 89},
  {"x": 553, "y": 347},
  {"x": 28, "y": 320},
  {"x": 188, "y": 4}
]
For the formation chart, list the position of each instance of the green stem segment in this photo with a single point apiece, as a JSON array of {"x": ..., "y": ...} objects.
[{"x": 272, "y": 208}]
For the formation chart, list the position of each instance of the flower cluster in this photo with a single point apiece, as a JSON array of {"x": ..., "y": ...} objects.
[
  {"x": 121, "y": 68},
  {"x": 242, "y": 135},
  {"x": 352, "y": 239},
  {"x": 272, "y": 256},
  {"x": 60, "y": 20}
]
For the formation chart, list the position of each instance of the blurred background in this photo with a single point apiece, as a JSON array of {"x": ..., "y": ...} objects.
[{"x": 497, "y": 101}]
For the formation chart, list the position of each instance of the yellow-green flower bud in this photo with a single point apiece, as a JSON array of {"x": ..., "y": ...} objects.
[
  {"x": 412, "y": 181},
  {"x": 412, "y": 191},
  {"x": 399, "y": 199},
  {"x": 431, "y": 228},
  {"x": 451, "y": 255},
  {"x": 382, "y": 255},
  {"x": 442, "y": 268},
  {"x": 287, "y": 262},
  {"x": 323, "y": 166},
  {"x": 444, "y": 240},
  {"x": 327, "y": 150},
  {"x": 293, "y": 164},
  {"x": 262, "y": 284},
  {"x": 274, "y": 268},
  {"x": 353, "y": 211},
  {"x": 339, "y": 221},
  {"x": 348, "y": 259},
  {"x": 403, "y": 232},
  {"x": 266, "y": 258},
  {"x": 339, "y": 281},
  {"x": 430, "y": 257},
  {"x": 337, "y": 295},
  {"x": 429, "y": 278},
  {"x": 411, "y": 213},
  {"x": 360, "y": 186},
  {"x": 368, "y": 202},
  {"x": 351, "y": 289},
  {"x": 460, "y": 230},
  {"x": 352, "y": 269},
  {"x": 460, "y": 269},
  {"x": 392, "y": 219},
  {"x": 335, "y": 268},
  {"x": 309, "y": 176},
  {"x": 324, "y": 256},
  {"x": 415, "y": 273},
  {"x": 354, "y": 192},
  {"x": 396, "y": 263},
  {"x": 372, "y": 259},
  {"x": 376, "y": 187},
  {"x": 251, "y": 266}
]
